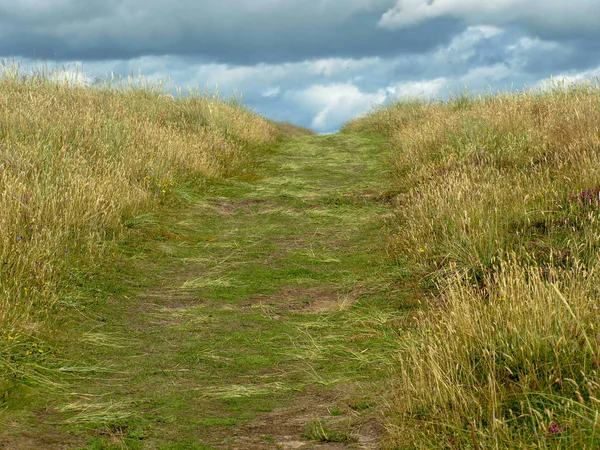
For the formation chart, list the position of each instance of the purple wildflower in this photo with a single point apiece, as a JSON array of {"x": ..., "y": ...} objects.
[
  {"x": 589, "y": 196},
  {"x": 555, "y": 428}
]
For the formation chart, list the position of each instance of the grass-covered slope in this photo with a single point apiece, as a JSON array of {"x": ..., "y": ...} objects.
[
  {"x": 497, "y": 214},
  {"x": 286, "y": 129},
  {"x": 77, "y": 165}
]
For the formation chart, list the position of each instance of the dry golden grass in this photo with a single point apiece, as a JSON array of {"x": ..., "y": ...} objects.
[
  {"x": 499, "y": 215},
  {"x": 77, "y": 162}
]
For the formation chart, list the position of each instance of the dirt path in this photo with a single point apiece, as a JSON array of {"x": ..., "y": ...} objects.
[{"x": 266, "y": 317}]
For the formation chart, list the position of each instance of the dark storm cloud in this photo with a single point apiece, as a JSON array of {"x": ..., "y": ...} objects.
[
  {"x": 235, "y": 32},
  {"x": 561, "y": 58}
]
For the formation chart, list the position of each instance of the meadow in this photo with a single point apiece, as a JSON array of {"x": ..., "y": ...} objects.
[{"x": 497, "y": 219}]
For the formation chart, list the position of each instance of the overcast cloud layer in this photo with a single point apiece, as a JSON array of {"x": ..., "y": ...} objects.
[{"x": 317, "y": 63}]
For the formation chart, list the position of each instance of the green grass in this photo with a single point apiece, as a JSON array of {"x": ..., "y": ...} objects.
[{"x": 241, "y": 299}]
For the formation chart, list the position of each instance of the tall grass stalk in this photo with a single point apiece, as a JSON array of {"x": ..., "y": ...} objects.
[{"x": 498, "y": 213}]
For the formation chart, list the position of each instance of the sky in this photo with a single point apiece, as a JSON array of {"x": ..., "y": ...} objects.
[{"x": 315, "y": 63}]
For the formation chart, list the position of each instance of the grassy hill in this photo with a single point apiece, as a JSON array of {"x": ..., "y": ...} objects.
[
  {"x": 78, "y": 167},
  {"x": 183, "y": 273},
  {"x": 497, "y": 218}
]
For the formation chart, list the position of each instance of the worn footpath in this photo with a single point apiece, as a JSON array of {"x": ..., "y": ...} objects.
[{"x": 262, "y": 315}]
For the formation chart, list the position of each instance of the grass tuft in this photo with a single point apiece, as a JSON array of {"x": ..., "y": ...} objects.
[
  {"x": 317, "y": 430},
  {"x": 497, "y": 218}
]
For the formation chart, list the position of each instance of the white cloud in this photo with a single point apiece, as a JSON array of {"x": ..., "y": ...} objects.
[
  {"x": 466, "y": 40},
  {"x": 332, "y": 67},
  {"x": 408, "y": 13},
  {"x": 271, "y": 92},
  {"x": 592, "y": 75},
  {"x": 526, "y": 45},
  {"x": 464, "y": 45},
  {"x": 486, "y": 78},
  {"x": 558, "y": 15},
  {"x": 425, "y": 89},
  {"x": 336, "y": 103}
]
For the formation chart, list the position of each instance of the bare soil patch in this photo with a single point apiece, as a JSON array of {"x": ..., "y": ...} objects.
[
  {"x": 40, "y": 436},
  {"x": 283, "y": 428},
  {"x": 313, "y": 299}
]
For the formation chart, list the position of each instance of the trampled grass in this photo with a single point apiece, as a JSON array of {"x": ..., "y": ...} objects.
[
  {"x": 236, "y": 308},
  {"x": 79, "y": 166},
  {"x": 498, "y": 215}
]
